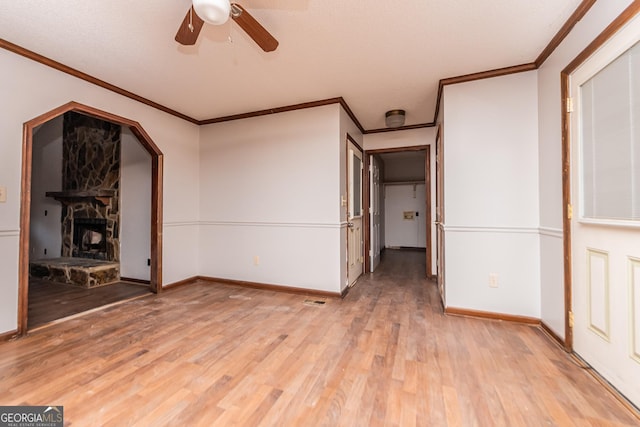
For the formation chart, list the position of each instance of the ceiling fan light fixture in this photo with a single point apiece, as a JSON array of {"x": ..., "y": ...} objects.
[
  {"x": 215, "y": 12},
  {"x": 394, "y": 118}
]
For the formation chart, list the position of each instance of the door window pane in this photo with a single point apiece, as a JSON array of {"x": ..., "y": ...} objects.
[
  {"x": 357, "y": 186},
  {"x": 610, "y": 145}
]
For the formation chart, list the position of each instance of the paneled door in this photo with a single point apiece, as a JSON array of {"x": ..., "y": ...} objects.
[
  {"x": 355, "y": 241},
  {"x": 605, "y": 218}
]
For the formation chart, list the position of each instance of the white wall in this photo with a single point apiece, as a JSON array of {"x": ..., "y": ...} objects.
[
  {"x": 271, "y": 189},
  {"x": 30, "y": 89},
  {"x": 550, "y": 151},
  {"x": 135, "y": 208},
  {"x": 46, "y": 213},
  {"x": 491, "y": 194},
  {"x": 401, "y": 232},
  {"x": 412, "y": 138}
]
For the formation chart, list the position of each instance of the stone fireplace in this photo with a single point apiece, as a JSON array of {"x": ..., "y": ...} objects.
[
  {"x": 90, "y": 199},
  {"x": 90, "y": 188}
]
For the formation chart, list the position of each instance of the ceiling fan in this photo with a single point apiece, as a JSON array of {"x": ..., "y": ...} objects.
[{"x": 217, "y": 12}]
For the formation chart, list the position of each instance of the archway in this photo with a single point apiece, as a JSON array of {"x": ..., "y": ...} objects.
[{"x": 25, "y": 203}]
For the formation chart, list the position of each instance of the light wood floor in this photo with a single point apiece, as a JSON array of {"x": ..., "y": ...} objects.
[
  {"x": 207, "y": 354},
  {"x": 50, "y": 301}
]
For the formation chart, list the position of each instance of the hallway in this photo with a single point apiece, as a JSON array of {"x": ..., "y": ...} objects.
[{"x": 207, "y": 354}]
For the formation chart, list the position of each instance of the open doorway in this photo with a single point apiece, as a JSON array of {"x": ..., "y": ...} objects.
[
  {"x": 91, "y": 193},
  {"x": 400, "y": 203}
]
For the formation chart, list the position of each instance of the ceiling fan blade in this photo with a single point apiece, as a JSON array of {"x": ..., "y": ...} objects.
[
  {"x": 253, "y": 28},
  {"x": 188, "y": 36}
]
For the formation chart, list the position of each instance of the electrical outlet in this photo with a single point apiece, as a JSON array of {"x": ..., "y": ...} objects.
[
  {"x": 256, "y": 260},
  {"x": 493, "y": 280},
  {"x": 3, "y": 194}
]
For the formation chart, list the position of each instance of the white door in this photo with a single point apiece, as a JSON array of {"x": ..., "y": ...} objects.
[
  {"x": 605, "y": 225},
  {"x": 374, "y": 210},
  {"x": 355, "y": 242}
]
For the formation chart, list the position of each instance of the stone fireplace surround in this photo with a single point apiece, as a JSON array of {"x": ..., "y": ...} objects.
[{"x": 90, "y": 195}]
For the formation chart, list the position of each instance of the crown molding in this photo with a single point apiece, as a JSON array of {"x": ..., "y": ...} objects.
[
  {"x": 29, "y": 54},
  {"x": 575, "y": 17},
  {"x": 301, "y": 106},
  {"x": 407, "y": 127}
]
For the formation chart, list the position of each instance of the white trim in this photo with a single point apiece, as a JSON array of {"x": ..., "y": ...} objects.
[
  {"x": 180, "y": 224},
  {"x": 483, "y": 229},
  {"x": 551, "y": 232},
  {"x": 9, "y": 233},
  {"x": 273, "y": 224},
  {"x": 543, "y": 231}
]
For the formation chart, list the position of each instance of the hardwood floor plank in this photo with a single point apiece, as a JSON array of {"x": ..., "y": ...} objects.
[
  {"x": 265, "y": 405},
  {"x": 217, "y": 354},
  {"x": 408, "y": 410},
  {"x": 452, "y": 407}
]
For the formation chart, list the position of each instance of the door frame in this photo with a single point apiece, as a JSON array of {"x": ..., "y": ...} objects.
[
  {"x": 25, "y": 198},
  {"x": 439, "y": 220},
  {"x": 627, "y": 15},
  {"x": 428, "y": 219}
]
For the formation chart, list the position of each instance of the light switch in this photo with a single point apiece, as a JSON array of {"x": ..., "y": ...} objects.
[{"x": 3, "y": 194}]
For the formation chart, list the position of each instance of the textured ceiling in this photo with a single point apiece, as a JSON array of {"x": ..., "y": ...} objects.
[{"x": 378, "y": 55}]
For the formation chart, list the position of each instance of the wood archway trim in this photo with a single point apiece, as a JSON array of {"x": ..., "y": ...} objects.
[{"x": 25, "y": 200}]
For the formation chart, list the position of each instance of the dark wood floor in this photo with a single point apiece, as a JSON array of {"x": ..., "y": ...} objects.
[
  {"x": 49, "y": 301},
  {"x": 221, "y": 355}
]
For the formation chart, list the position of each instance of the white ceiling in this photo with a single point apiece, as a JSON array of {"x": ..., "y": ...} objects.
[{"x": 378, "y": 55}]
